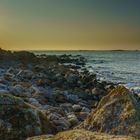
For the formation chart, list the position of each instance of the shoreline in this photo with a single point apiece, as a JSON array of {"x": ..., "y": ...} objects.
[
  {"x": 63, "y": 93},
  {"x": 97, "y": 66}
]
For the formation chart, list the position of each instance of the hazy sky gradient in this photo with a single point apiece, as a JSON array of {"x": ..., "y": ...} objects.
[{"x": 69, "y": 24}]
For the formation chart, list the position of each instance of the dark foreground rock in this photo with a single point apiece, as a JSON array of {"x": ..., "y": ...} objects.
[
  {"x": 117, "y": 113},
  {"x": 19, "y": 120},
  {"x": 81, "y": 135}
]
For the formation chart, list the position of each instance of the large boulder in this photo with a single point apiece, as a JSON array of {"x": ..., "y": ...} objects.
[
  {"x": 117, "y": 113},
  {"x": 19, "y": 120},
  {"x": 81, "y": 135}
]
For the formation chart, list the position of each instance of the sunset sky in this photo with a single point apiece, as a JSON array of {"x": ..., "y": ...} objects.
[{"x": 69, "y": 24}]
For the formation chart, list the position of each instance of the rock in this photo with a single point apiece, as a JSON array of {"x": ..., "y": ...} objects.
[
  {"x": 72, "y": 119},
  {"x": 98, "y": 91},
  {"x": 19, "y": 120},
  {"x": 43, "y": 137},
  {"x": 72, "y": 78},
  {"x": 61, "y": 124},
  {"x": 77, "y": 108},
  {"x": 39, "y": 68},
  {"x": 87, "y": 91},
  {"x": 25, "y": 75},
  {"x": 11, "y": 70},
  {"x": 56, "y": 110},
  {"x": 71, "y": 97},
  {"x": 109, "y": 87},
  {"x": 82, "y": 135},
  {"x": 19, "y": 90},
  {"x": 40, "y": 95},
  {"x": 24, "y": 56},
  {"x": 67, "y": 107},
  {"x": 60, "y": 98},
  {"x": 84, "y": 103},
  {"x": 54, "y": 116},
  {"x": 81, "y": 115},
  {"x": 8, "y": 76},
  {"x": 4, "y": 91},
  {"x": 34, "y": 89},
  {"x": 41, "y": 82},
  {"x": 84, "y": 109},
  {"x": 117, "y": 113},
  {"x": 3, "y": 86},
  {"x": 45, "y": 107},
  {"x": 1, "y": 71},
  {"x": 34, "y": 102}
]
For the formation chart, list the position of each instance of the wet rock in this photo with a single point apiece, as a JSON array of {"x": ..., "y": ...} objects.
[
  {"x": 45, "y": 107},
  {"x": 54, "y": 116},
  {"x": 72, "y": 119},
  {"x": 56, "y": 110},
  {"x": 84, "y": 103},
  {"x": 10, "y": 70},
  {"x": 109, "y": 87},
  {"x": 67, "y": 107},
  {"x": 4, "y": 91},
  {"x": 72, "y": 78},
  {"x": 25, "y": 75},
  {"x": 19, "y": 90},
  {"x": 34, "y": 102},
  {"x": 61, "y": 124},
  {"x": 84, "y": 109},
  {"x": 40, "y": 98},
  {"x": 98, "y": 91},
  {"x": 8, "y": 76},
  {"x": 77, "y": 108},
  {"x": 39, "y": 68},
  {"x": 81, "y": 115},
  {"x": 71, "y": 97},
  {"x": 41, "y": 82},
  {"x": 58, "y": 96}
]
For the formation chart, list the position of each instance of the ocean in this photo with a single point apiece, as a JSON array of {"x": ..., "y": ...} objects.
[{"x": 116, "y": 66}]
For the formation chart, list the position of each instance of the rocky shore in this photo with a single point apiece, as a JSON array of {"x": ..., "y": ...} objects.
[{"x": 45, "y": 95}]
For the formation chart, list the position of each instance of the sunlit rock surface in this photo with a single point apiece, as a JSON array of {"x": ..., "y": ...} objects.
[
  {"x": 81, "y": 135},
  {"x": 117, "y": 113}
]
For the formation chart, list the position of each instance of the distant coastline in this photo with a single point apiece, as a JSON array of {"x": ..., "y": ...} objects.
[
  {"x": 79, "y": 50},
  {"x": 72, "y": 50}
]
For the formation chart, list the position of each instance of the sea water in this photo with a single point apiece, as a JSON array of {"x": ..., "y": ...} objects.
[{"x": 116, "y": 66}]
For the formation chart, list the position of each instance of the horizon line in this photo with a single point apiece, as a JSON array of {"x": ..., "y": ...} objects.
[
  {"x": 71, "y": 49},
  {"x": 76, "y": 50}
]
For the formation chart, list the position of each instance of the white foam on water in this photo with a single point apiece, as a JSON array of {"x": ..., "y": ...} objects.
[{"x": 115, "y": 66}]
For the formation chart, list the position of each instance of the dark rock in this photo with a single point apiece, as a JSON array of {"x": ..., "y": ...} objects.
[{"x": 19, "y": 120}]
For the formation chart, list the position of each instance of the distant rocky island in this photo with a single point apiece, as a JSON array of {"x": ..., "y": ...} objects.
[{"x": 56, "y": 98}]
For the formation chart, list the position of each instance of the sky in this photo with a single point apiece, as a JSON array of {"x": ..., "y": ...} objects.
[{"x": 69, "y": 24}]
